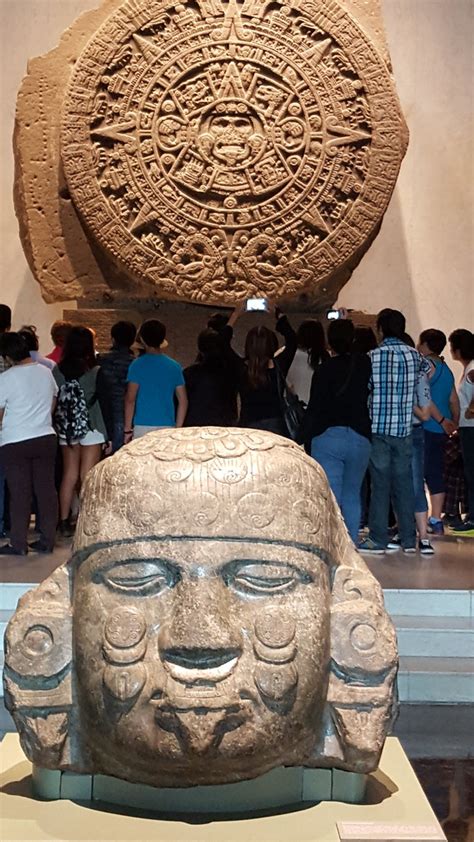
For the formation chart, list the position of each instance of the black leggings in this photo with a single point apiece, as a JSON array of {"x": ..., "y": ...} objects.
[
  {"x": 467, "y": 446},
  {"x": 29, "y": 469}
]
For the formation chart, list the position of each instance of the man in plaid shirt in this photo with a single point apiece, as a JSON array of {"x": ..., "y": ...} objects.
[{"x": 396, "y": 370}]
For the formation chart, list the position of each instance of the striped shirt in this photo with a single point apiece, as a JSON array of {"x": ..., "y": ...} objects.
[{"x": 396, "y": 372}]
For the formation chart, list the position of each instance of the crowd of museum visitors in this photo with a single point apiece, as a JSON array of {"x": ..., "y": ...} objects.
[{"x": 384, "y": 418}]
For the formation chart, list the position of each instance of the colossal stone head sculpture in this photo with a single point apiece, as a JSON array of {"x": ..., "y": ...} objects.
[
  {"x": 214, "y": 621},
  {"x": 209, "y": 150}
]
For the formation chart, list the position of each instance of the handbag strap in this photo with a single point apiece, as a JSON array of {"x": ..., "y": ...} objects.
[{"x": 282, "y": 383}]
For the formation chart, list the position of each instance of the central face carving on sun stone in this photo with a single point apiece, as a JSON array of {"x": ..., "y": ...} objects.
[{"x": 231, "y": 133}]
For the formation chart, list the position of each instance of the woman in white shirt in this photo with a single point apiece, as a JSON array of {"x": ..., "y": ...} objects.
[
  {"x": 28, "y": 445},
  {"x": 461, "y": 343},
  {"x": 311, "y": 352}
]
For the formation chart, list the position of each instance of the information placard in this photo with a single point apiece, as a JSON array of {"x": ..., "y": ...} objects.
[{"x": 389, "y": 832}]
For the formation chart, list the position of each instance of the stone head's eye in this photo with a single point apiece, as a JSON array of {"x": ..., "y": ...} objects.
[
  {"x": 140, "y": 577},
  {"x": 264, "y": 578}
]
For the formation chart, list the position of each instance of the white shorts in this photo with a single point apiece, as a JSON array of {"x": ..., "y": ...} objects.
[
  {"x": 141, "y": 430},
  {"x": 92, "y": 437}
]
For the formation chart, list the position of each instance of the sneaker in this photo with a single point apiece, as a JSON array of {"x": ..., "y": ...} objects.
[
  {"x": 65, "y": 529},
  {"x": 7, "y": 549},
  {"x": 467, "y": 529},
  {"x": 424, "y": 547},
  {"x": 452, "y": 521},
  {"x": 435, "y": 527},
  {"x": 369, "y": 546},
  {"x": 409, "y": 550},
  {"x": 394, "y": 543},
  {"x": 40, "y": 547}
]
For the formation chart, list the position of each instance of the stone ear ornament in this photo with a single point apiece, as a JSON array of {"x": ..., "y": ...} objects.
[
  {"x": 38, "y": 670},
  {"x": 364, "y": 662}
]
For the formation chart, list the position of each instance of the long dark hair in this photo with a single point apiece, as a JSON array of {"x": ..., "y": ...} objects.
[
  {"x": 260, "y": 347},
  {"x": 310, "y": 338},
  {"x": 213, "y": 359},
  {"x": 79, "y": 353}
]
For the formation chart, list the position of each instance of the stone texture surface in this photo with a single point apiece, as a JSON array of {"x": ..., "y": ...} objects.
[
  {"x": 202, "y": 165},
  {"x": 214, "y": 622},
  {"x": 54, "y": 242}
]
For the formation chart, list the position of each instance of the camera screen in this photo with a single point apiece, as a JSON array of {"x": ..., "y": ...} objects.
[
  {"x": 257, "y": 304},
  {"x": 333, "y": 314}
]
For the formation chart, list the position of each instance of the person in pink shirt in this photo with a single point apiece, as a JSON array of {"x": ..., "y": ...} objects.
[{"x": 59, "y": 332}]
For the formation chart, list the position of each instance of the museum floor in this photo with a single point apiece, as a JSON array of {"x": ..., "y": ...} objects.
[{"x": 436, "y": 731}]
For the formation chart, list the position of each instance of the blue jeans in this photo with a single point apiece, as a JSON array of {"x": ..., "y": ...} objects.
[
  {"x": 117, "y": 435},
  {"x": 391, "y": 474},
  {"x": 2, "y": 500},
  {"x": 344, "y": 456},
  {"x": 418, "y": 468}
]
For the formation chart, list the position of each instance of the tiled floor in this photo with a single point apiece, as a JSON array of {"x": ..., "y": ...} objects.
[
  {"x": 451, "y": 568},
  {"x": 430, "y": 731},
  {"x": 35, "y": 566},
  {"x": 449, "y": 785}
]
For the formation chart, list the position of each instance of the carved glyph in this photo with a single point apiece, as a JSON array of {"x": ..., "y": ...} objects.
[
  {"x": 209, "y": 632},
  {"x": 221, "y": 150}
]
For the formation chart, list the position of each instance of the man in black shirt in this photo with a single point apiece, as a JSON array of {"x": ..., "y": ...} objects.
[{"x": 115, "y": 365}]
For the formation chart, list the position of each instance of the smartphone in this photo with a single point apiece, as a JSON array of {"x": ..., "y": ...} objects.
[
  {"x": 333, "y": 314},
  {"x": 256, "y": 304}
]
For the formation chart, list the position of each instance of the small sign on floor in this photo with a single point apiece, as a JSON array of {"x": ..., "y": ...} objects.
[{"x": 389, "y": 832}]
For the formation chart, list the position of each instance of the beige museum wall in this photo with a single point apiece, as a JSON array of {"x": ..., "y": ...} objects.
[{"x": 422, "y": 261}]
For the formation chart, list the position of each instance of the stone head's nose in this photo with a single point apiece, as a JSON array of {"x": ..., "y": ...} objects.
[{"x": 202, "y": 625}]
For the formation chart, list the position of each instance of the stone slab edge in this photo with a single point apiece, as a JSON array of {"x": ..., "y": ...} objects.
[{"x": 56, "y": 248}]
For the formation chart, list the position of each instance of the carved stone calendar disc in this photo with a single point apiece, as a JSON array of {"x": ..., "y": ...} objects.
[{"x": 223, "y": 150}]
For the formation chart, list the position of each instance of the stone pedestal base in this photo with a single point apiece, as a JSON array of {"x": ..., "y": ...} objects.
[
  {"x": 279, "y": 788},
  {"x": 394, "y": 807}
]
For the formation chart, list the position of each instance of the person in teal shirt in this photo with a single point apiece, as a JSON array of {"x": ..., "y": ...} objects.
[
  {"x": 443, "y": 421},
  {"x": 154, "y": 381}
]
